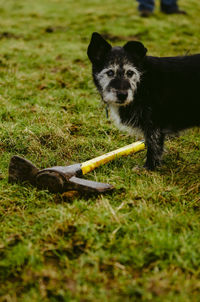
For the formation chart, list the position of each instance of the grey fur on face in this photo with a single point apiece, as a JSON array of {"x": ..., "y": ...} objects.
[{"x": 118, "y": 84}]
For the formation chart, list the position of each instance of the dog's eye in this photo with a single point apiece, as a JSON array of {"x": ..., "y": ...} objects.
[
  {"x": 110, "y": 73},
  {"x": 129, "y": 73}
]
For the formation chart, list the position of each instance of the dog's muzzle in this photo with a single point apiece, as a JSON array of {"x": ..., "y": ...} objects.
[{"x": 122, "y": 96}]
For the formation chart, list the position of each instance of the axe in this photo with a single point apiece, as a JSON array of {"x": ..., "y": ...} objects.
[{"x": 60, "y": 179}]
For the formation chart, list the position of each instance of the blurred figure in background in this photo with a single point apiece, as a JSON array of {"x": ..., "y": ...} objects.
[{"x": 146, "y": 7}]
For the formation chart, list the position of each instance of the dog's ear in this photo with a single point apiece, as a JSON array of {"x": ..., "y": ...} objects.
[
  {"x": 135, "y": 49},
  {"x": 97, "y": 48}
]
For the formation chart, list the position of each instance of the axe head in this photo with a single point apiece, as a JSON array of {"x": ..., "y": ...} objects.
[{"x": 56, "y": 180}]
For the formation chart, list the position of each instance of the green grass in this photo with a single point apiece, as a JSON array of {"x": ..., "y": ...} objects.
[{"x": 140, "y": 243}]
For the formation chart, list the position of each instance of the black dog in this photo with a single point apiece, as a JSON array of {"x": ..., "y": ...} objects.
[{"x": 157, "y": 95}]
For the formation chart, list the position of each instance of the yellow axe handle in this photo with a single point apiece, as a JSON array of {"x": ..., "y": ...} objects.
[{"x": 105, "y": 158}]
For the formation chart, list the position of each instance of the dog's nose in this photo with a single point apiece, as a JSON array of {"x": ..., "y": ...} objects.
[{"x": 122, "y": 95}]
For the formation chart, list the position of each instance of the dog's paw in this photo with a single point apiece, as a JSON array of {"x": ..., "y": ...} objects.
[
  {"x": 149, "y": 167},
  {"x": 152, "y": 165}
]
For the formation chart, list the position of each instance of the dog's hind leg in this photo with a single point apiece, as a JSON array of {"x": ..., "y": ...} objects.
[{"x": 155, "y": 142}]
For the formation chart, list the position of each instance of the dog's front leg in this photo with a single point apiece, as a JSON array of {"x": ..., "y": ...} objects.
[{"x": 155, "y": 141}]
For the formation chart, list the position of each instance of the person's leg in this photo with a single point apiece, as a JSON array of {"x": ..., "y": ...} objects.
[
  {"x": 146, "y": 6},
  {"x": 171, "y": 7}
]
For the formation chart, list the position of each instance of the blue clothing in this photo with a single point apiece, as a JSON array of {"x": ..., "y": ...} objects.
[{"x": 166, "y": 5}]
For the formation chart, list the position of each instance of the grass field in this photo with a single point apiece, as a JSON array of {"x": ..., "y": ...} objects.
[{"x": 140, "y": 243}]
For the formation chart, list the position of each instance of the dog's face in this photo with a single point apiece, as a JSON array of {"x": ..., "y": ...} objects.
[{"x": 116, "y": 71}]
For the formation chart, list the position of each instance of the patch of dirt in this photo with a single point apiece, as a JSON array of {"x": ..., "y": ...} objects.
[
  {"x": 53, "y": 29},
  {"x": 116, "y": 38},
  {"x": 9, "y": 35}
]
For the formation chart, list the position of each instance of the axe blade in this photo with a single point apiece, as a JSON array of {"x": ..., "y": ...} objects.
[
  {"x": 56, "y": 182},
  {"x": 89, "y": 185}
]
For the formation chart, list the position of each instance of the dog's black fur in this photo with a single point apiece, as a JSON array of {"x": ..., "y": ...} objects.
[{"x": 158, "y": 95}]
